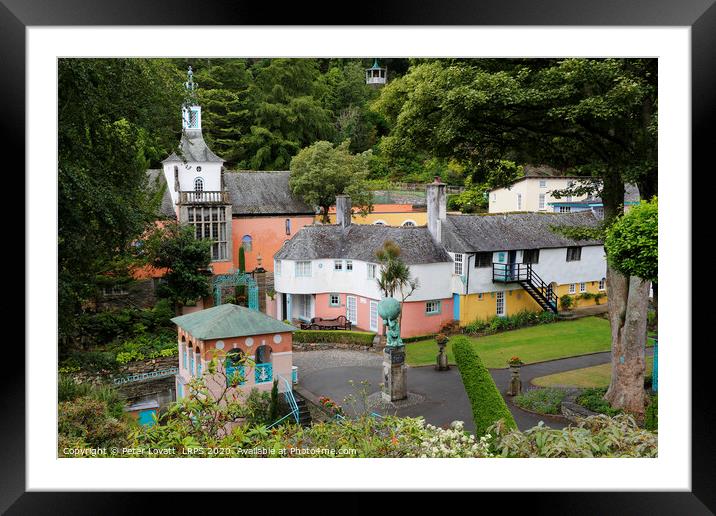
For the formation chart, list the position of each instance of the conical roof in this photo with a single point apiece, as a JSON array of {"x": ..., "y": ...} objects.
[{"x": 194, "y": 148}]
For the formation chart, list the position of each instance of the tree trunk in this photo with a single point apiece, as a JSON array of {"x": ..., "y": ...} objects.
[
  {"x": 325, "y": 218},
  {"x": 628, "y": 305}
]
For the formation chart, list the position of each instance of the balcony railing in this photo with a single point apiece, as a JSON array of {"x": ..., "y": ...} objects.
[
  {"x": 204, "y": 197},
  {"x": 511, "y": 272}
]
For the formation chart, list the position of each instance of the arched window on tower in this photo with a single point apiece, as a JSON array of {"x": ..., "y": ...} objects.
[{"x": 198, "y": 185}]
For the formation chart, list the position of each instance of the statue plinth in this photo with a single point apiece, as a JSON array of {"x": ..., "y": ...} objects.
[{"x": 395, "y": 385}]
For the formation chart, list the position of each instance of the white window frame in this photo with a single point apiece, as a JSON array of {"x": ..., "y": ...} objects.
[
  {"x": 500, "y": 302},
  {"x": 603, "y": 284},
  {"x": 338, "y": 265},
  {"x": 582, "y": 287},
  {"x": 408, "y": 223},
  {"x": 372, "y": 271},
  {"x": 519, "y": 201},
  {"x": 541, "y": 201},
  {"x": 572, "y": 288},
  {"x": 373, "y": 315},
  {"x": 277, "y": 267},
  {"x": 565, "y": 209},
  {"x": 330, "y": 300},
  {"x": 354, "y": 301},
  {"x": 542, "y": 183},
  {"x": 349, "y": 265},
  {"x": 303, "y": 269},
  {"x": 458, "y": 269}
]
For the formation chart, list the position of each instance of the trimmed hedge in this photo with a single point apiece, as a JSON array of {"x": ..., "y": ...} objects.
[
  {"x": 651, "y": 418},
  {"x": 417, "y": 338},
  {"x": 488, "y": 407},
  {"x": 360, "y": 338}
]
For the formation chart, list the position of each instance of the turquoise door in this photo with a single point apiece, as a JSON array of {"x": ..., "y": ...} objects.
[
  {"x": 146, "y": 417},
  {"x": 456, "y": 307}
]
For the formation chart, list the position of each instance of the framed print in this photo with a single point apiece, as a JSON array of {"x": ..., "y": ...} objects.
[{"x": 259, "y": 234}]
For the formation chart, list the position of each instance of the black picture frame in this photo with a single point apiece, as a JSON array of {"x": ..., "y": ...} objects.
[{"x": 700, "y": 15}]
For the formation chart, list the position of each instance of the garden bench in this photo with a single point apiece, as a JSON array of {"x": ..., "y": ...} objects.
[{"x": 318, "y": 323}]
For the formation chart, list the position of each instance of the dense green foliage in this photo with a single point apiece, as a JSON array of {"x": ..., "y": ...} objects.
[
  {"x": 593, "y": 399},
  {"x": 521, "y": 319},
  {"x": 544, "y": 401},
  {"x": 596, "y": 436},
  {"x": 89, "y": 417},
  {"x": 488, "y": 407},
  {"x": 361, "y": 338},
  {"x": 322, "y": 171},
  {"x": 186, "y": 260},
  {"x": 632, "y": 242},
  {"x": 116, "y": 117}
]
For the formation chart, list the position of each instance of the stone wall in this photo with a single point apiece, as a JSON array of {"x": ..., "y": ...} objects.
[
  {"x": 140, "y": 294},
  {"x": 573, "y": 411},
  {"x": 317, "y": 346}
]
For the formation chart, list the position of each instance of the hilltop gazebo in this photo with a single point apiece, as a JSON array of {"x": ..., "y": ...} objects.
[
  {"x": 228, "y": 332},
  {"x": 375, "y": 75}
]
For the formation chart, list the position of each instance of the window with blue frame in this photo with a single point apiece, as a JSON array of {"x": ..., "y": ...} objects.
[
  {"x": 191, "y": 361},
  {"x": 198, "y": 364},
  {"x": 432, "y": 307},
  {"x": 334, "y": 300}
]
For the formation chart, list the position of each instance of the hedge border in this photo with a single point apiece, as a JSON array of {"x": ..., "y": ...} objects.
[
  {"x": 360, "y": 338},
  {"x": 487, "y": 403}
]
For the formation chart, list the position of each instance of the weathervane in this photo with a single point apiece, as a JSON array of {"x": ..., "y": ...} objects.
[{"x": 190, "y": 85}]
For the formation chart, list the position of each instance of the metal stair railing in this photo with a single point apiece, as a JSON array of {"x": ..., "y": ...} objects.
[
  {"x": 542, "y": 287},
  {"x": 291, "y": 399}
]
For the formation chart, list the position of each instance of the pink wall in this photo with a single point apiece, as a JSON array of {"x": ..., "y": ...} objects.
[
  {"x": 268, "y": 235},
  {"x": 413, "y": 322}
]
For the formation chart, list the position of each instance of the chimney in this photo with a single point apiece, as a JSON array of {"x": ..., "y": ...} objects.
[
  {"x": 343, "y": 210},
  {"x": 436, "y": 204}
]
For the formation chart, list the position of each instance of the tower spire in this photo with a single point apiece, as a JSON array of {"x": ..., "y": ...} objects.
[
  {"x": 190, "y": 87},
  {"x": 191, "y": 111}
]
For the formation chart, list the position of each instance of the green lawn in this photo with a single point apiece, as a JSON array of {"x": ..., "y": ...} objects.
[
  {"x": 533, "y": 344},
  {"x": 588, "y": 377}
]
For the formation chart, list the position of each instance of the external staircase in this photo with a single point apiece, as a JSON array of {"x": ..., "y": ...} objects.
[{"x": 529, "y": 280}]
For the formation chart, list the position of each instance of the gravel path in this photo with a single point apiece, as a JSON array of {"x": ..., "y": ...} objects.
[{"x": 311, "y": 361}]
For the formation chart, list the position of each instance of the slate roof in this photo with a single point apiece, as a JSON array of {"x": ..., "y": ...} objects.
[
  {"x": 631, "y": 195},
  {"x": 226, "y": 321},
  {"x": 360, "y": 242},
  {"x": 263, "y": 193},
  {"x": 194, "y": 147},
  {"x": 542, "y": 171},
  {"x": 156, "y": 180},
  {"x": 511, "y": 231}
]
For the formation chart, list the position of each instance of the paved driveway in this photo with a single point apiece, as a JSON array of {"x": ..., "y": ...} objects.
[{"x": 329, "y": 372}]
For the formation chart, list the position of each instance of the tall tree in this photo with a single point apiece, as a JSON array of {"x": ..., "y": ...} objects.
[
  {"x": 115, "y": 119},
  {"x": 322, "y": 171},
  {"x": 594, "y": 117}
]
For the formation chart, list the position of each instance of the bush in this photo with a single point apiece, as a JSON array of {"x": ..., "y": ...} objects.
[
  {"x": 595, "y": 436},
  {"x": 593, "y": 399},
  {"x": 361, "y": 338},
  {"x": 521, "y": 319},
  {"x": 417, "y": 338},
  {"x": 487, "y": 403},
  {"x": 651, "y": 417},
  {"x": 566, "y": 302},
  {"x": 88, "y": 422},
  {"x": 544, "y": 401}
]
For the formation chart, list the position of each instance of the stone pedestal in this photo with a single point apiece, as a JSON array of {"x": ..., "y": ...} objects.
[
  {"x": 395, "y": 384},
  {"x": 515, "y": 386},
  {"x": 442, "y": 361}
]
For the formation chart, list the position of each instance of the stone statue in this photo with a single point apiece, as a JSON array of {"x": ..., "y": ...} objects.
[{"x": 389, "y": 310}]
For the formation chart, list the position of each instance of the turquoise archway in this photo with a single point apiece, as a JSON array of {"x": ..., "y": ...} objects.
[{"x": 236, "y": 279}]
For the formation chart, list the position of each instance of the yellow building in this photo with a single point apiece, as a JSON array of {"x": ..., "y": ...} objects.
[{"x": 387, "y": 215}]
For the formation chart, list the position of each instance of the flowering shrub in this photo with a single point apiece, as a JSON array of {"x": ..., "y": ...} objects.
[
  {"x": 511, "y": 322},
  {"x": 330, "y": 405},
  {"x": 515, "y": 361},
  {"x": 453, "y": 442}
]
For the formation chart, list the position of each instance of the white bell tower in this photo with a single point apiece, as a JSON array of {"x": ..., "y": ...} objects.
[{"x": 191, "y": 110}]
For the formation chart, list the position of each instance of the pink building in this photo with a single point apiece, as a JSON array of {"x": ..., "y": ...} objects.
[
  {"x": 331, "y": 270},
  {"x": 228, "y": 332}
]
